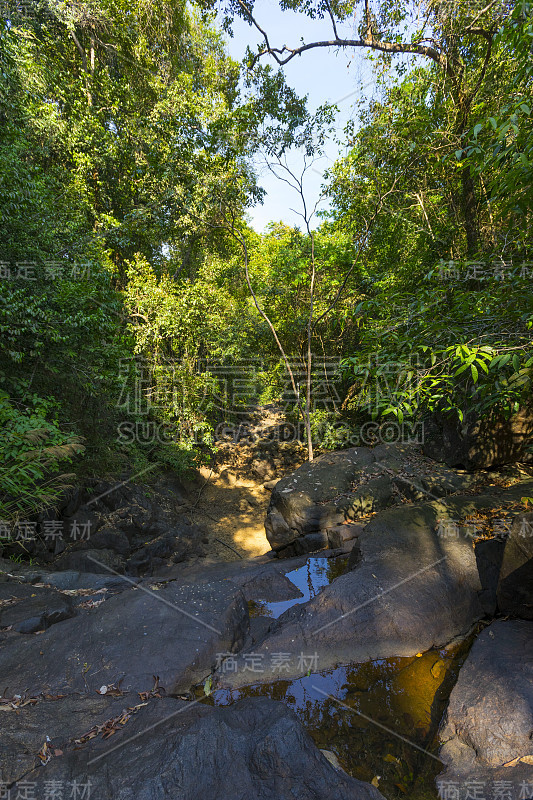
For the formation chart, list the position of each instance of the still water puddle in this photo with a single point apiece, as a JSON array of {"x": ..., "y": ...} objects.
[
  {"x": 380, "y": 718},
  {"x": 310, "y": 579}
]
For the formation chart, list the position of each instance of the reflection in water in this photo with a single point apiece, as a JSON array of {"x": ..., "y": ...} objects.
[
  {"x": 408, "y": 696},
  {"x": 310, "y": 579}
]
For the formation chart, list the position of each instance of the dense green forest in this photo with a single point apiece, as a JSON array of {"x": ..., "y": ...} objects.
[{"x": 135, "y": 297}]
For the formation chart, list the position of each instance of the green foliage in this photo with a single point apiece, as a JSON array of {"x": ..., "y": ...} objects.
[
  {"x": 123, "y": 147},
  {"x": 127, "y": 156},
  {"x": 444, "y": 351},
  {"x": 501, "y": 145},
  {"x": 31, "y": 450},
  {"x": 330, "y": 431},
  {"x": 453, "y": 338}
]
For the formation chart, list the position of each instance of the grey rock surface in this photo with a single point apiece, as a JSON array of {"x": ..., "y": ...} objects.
[
  {"x": 173, "y": 631},
  {"x": 27, "y": 609},
  {"x": 409, "y": 590},
  {"x": 489, "y": 722},
  {"x": 348, "y": 484},
  {"x": 255, "y": 750},
  {"x": 515, "y": 586}
]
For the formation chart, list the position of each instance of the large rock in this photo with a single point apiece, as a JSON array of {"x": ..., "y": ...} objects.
[
  {"x": 301, "y": 503},
  {"x": 515, "y": 587},
  {"x": 254, "y": 750},
  {"x": 75, "y": 580},
  {"x": 481, "y": 444},
  {"x": 64, "y": 580},
  {"x": 410, "y": 589},
  {"x": 342, "y": 486},
  {"x": 173, "y": 631},
  {"x": 489, "y": 723}
]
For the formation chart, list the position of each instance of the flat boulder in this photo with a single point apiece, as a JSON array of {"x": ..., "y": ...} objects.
[
  {"x": 26, "y": 609},
  {"x": 487, "y": 732},
  {"x": 256, "y": 749},
  {"x": 170, "y": 630},
  {"x": 29, "y": 723}
]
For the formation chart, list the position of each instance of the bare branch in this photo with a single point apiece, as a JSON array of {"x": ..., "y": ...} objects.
[
  {"x": 482, "y": 74},
  {"x": 385, "y": 47},
  {"x": 483, "y": 11},
  {"x": 362, "y": 243},
  {"x": 80, "y": 49},
  {"x": 333, "y": 23}
]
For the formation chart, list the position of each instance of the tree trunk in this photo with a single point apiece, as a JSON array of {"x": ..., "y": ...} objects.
[{"x": 469, "y": 212}]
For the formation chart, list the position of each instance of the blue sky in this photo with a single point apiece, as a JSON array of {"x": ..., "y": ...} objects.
[{"x": 324, "y": 75}]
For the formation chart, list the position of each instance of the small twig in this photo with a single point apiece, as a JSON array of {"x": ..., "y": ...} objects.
[
  {"x": 202, "y": 488},
  {"x": 229, "y": 547},
  {"x": 201, "y": 511}
]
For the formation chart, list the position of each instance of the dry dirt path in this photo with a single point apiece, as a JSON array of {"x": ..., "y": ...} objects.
[{"x": 230, "y": 500}]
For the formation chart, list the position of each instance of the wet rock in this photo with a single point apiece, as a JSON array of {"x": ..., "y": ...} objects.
[
  {"x": 409, "y": 590},
  {"x": 257, "y": 750},
  {"x": 515, "y": 587},
  {"x": 489, "y": 721},
  {"x": 174, "y": 631},
  {"x": 26, "y": 608}
]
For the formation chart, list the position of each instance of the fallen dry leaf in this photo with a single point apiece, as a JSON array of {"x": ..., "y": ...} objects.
[
  {"x": 109, "y": 727},
  {"x": 45, "y": 753},
  {"x": 157, "y": 691},
  {"x": 91, "y": 603},
  {"x": 512, "y": 763},
  {"x": 16, "y": 702},
  {"x": 111, "y": 690}
]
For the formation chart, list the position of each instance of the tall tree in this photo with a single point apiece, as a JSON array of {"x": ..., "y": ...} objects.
[{"x": 457, "y": 38}]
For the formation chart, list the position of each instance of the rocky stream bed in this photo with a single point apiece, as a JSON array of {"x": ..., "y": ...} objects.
[{"x": 381, "y": 645}]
